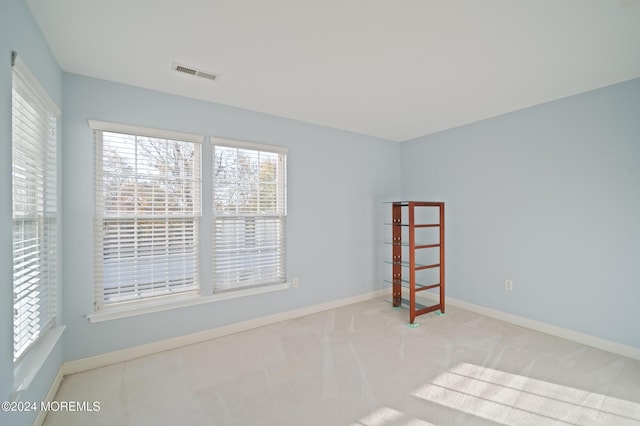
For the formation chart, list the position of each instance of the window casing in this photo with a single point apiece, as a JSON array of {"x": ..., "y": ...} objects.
[
  {"x": 35, "y": 221},
  {"x": 147, "y": 213},
  {"x": 250, "y": 212}
]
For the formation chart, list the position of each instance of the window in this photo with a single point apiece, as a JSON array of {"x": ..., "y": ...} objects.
[
  {"x": 148, "y": 196},
  {"x": 148, "y": 219},
  {"x": 250, "y": 211},
  {"x": 35, "y": 224}
]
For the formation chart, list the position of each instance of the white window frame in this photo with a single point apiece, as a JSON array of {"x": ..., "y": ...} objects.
[
  {"x": 35, "y": 119},
  {"x": 235, "y": 252},
  {"x": 130, "y": 300},
  {"x": 208, "y": 293}
]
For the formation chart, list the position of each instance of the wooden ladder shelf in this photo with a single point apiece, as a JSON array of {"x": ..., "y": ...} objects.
[{"x": 404, "y": 273}]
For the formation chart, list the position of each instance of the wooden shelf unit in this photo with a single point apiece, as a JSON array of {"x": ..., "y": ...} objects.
[{"x": 405, "y": 270}]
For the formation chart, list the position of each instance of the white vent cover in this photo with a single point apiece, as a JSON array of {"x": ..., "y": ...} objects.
[{"x": 194, "y": 72}]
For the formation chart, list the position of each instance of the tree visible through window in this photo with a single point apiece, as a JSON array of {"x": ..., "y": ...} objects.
[
  {"x": 250, "y": 208},
  {"x": 147, "y": 216}
]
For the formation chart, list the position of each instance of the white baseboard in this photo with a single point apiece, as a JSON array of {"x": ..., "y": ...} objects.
[
  {"x": 89, "y": 363},
  {"x": 53, "y": 389},
  {"x": 565, "y": 333}
]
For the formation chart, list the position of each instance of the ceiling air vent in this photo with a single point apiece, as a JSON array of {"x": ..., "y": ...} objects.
[{"x": 195, "y": 72}]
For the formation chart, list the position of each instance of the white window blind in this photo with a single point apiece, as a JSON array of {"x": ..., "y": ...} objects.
[
  {"x": 250, "y": 211},
  {"x": 34, "y": 140},
  {"x": 148, "y": 197}
]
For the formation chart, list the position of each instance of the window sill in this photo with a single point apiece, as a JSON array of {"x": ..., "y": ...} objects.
[
  {"x": 118, "y": 312},
  {"x": 25, "y": 369}
]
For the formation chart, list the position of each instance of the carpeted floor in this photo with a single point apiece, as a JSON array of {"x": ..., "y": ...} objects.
[{"x": 362, "y": 365}]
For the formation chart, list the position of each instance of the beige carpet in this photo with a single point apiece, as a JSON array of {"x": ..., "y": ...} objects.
[{"x": 362, "y": 365}]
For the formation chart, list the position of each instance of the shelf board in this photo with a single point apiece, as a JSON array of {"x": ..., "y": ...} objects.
[
  {"x": 415, "y": 203},
  {"x": 419, "y": 287},
  {"x": 417, "y": 225},
  {"x": 418, "y": 246},
  {"x": 419, "y": 267},
  {"x": 420, "y": 308},
  {"x": 424, "y": 246}
]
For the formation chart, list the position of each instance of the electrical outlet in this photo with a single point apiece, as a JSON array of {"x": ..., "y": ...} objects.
[
  {"x": 508, "y": 285},
  {"x": 296, "y": 282}
]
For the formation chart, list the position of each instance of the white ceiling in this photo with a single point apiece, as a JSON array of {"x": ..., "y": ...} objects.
[{"x": 396, "y": 69}]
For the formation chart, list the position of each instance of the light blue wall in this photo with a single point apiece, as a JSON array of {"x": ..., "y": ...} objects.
[
  {"x": 336, "y": 180},
  {"x": 549, "y": 197},
  {"x": 19, "y": 32}
]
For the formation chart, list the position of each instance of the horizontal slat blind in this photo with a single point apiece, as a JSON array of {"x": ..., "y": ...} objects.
[
  {"x": 148, "y": 197},
  {"x": 34, "y": 185},
  {"x": 250, "y": 210}
]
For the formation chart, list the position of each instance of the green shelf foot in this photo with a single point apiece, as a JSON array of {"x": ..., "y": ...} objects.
[
  {"x": 439, "y": 313},
  {"x": 414, "y": 325}
]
